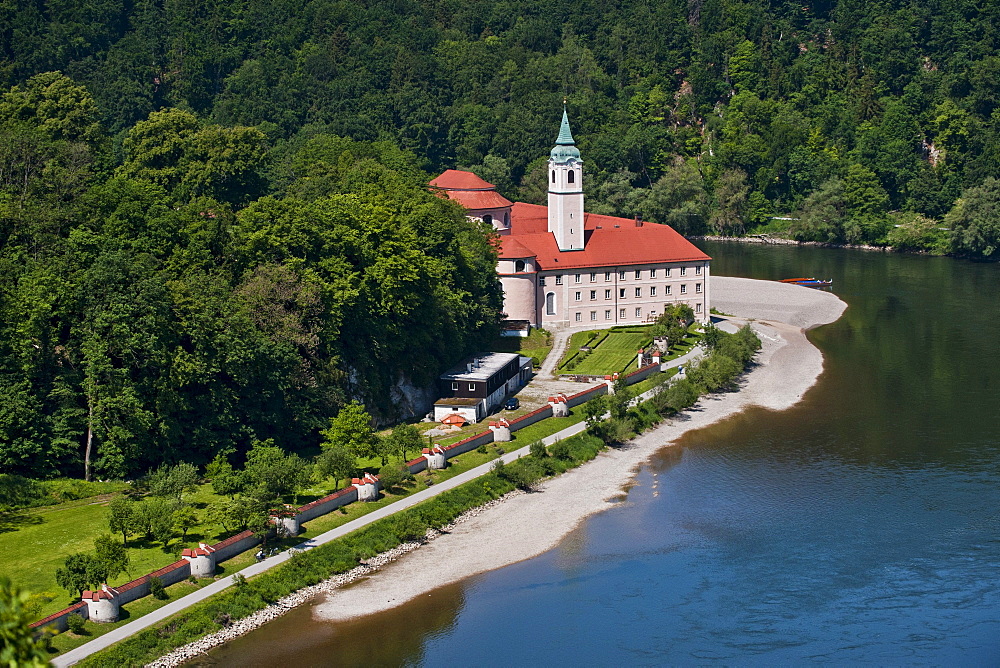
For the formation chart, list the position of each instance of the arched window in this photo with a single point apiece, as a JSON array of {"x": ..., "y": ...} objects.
[
  {"x": 553, "y": 176},
  {"x": 571, "y": 177},
  {"x": 506, "y": 219},
  {"x": 488, "y": 219},
  {"x": 550, "y": 303},
  {"x": 519, "y": 266}
]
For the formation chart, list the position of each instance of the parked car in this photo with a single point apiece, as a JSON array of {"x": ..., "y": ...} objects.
[{"x": 512, "y": 404}]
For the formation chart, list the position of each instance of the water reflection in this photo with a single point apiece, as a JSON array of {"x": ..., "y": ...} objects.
[{"x": 394, "y": 637}]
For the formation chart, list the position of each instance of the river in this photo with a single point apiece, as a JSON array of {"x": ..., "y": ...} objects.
[{"x": 860, "y": 526}]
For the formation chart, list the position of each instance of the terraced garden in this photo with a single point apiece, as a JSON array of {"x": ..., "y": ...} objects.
[{"x": 611, "y": 350}]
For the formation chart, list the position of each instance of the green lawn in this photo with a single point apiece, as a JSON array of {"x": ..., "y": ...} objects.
[
  {"x": 612, "y": 351},
  {"x": 31, "y": 554}
]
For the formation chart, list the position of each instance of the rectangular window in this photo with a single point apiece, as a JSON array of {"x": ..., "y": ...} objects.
[
  {"x": 684, "y": 288},
  {"x": 652, "y": 273},
  {"x": 697, "y": 270},
  {"x": 593, "y": 295},
  {"x": 668, "y": 289},
  {"x": 541, "y": 281},
  {"x": 621, "y": 293},
  {"x": 668, "y": 272},
  {"x": 577, "y": 278},
  {"x": 593, "y": 315},
  {"x": 593, "y": 277},
  {"x": 578, "y": 316},
  {"x": 607, "y": 276},
  {"x": 697, "y": 307},
  {"x": 638, "y": 274},
  {"x": 683, "y": 270},
  {"x": 697, "y": 287},
  {"x": 621, "y": 275},
  {"x": 638, "y": 313},
  {"x": 607, "y": 294},
  {"x": 652, "y": 291},
  {"x": 577, "y": 296},
  {"x": 621, "y": 313},
  {"x": 472, "y": 386},
  {"x": 638, "y": 292},
  {"x": 559, "y": 280},
  {"x": 454, "y": 385},
  {"x": 607, "y": 314}
]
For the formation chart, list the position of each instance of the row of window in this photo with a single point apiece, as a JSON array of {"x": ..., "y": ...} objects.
[
  {"x": 578, "y": 278},
  {"x": 623, "y": 292},
  {"x": 622, "y": 313}
]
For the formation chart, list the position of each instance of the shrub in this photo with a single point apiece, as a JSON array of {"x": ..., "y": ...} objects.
[
  {"x": 156, "y": 588},
  {"x": 560, "y": 450},
  {"x": 76, "y": 624},
  {"x": 538, "y": 451}
]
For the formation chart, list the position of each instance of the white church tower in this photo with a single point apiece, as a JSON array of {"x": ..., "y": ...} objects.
[{"x": 566, "y": 190}]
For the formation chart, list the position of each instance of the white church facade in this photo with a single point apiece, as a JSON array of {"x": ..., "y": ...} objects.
[{"x": 562, "y": 268}]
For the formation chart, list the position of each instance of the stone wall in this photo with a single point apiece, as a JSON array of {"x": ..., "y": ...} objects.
[
  {"x": 234, "y": 545},
  {"x": 531, "y": 418},
  {"x": 416, "y": 465},
  {"x": 642, "y": 374},
  {"x": 328, "y": 503},
  {"x": 60, "y": 620},
  {"x": 586, "y": 395},
  {"x": 470, "y": 443}
]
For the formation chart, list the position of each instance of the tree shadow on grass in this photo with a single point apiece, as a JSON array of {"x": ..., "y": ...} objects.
[{"x": 15, "y": 520}]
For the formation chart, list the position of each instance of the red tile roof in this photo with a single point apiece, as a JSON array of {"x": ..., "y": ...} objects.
[
  {"x": 474, "y": 200},
  {"x": 455, "y": 179},
  {"x": 511, "y": 248},
  {"x": 609, "y": 241}
]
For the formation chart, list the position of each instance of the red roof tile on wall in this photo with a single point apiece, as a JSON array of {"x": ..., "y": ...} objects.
[{"x": 56, "y": 615}]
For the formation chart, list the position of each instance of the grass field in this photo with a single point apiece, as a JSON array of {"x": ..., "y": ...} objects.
[
  {"x": 35, "y": 542},
  {"x": 612, "y": 351}
]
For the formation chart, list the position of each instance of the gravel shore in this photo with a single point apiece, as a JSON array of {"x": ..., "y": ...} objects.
[{"x": 491, "y": 537}]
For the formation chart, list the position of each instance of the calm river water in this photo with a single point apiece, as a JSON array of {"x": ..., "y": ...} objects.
[{"x": 861, "y": 526}]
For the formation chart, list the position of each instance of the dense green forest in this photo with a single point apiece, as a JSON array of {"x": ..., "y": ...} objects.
[{"x": 212, "y": 215}]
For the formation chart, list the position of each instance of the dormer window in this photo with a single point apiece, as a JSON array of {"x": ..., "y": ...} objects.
[{"x": 488, "y": 219}]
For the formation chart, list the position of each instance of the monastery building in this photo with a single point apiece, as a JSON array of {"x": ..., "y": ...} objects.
[{"x": 562, "y": 268}]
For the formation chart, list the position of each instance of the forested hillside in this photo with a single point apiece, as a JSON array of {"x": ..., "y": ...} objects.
[{"x": 214, "y": 227}]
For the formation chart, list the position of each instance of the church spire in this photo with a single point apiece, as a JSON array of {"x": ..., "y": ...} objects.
[
  {"x": 565, "y": 137},
  {"x": 566, "y": 190}
]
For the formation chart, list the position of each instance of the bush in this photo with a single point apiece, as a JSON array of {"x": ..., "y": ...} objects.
[
  {"x": 537, "y": 450},
  {"x": 560, "y": 450},
  {"x": 156, "y": 588},
  {"x": 76, "y": 624}
]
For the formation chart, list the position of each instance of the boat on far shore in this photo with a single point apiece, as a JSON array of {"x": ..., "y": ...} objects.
[{"x": 809, "y": 282}]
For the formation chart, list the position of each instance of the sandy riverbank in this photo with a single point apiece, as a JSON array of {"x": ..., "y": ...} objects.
[{"x": 788, "y": 365}]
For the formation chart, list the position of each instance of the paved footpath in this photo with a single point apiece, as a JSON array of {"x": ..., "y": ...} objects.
[{"x": 73, "y": 656}]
